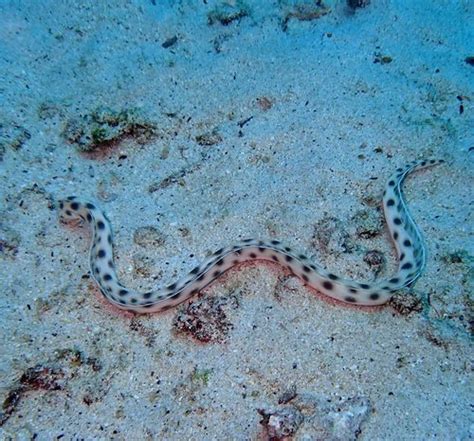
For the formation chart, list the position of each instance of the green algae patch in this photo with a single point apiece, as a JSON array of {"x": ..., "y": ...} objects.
[{"x": 105, "y": 127}]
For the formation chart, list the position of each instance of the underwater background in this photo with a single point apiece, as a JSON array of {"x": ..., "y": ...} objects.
[{"x": 197, "y": 123}]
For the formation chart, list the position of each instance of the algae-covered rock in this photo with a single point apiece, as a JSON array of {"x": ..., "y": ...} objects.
[{"x": 104, "y": 126}]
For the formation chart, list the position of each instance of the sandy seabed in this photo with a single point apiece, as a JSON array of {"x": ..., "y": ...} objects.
[{"x": 193, "y": 124}]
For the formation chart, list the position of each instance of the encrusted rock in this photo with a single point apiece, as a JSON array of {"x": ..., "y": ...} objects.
[
  {"x": 406, "y": 303},
  {"x": 104, "y": 127},
  {"x": 206, "y": 319},
  {"x": 317, "y": 417},
  {"x": 375, "y": 260},
  {"x": 281, "y": 423}
]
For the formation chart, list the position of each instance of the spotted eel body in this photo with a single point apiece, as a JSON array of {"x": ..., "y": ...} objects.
[{"x": 403, "y": 230}]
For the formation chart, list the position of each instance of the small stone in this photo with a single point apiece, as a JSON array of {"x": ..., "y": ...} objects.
[
  {"x": 469, "y": 60},
  {"x": 148, "y": 237},
  {"x": 354, "y": 4},
  {"x": 281, "y": 423},
  {"x": 264, "y": 103},
  {"x": 228, "y": 12},
  {"x": 170, "y": 42},
  {"x": 368, "y": 223},
  {"x": 406, "y": 303},
  {"x": 375, "y": 260},
  {"x": 209, "y": 138},
  {"x": 302, "y": 10}
]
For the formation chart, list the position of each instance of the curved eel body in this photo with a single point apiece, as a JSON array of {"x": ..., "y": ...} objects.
[{"x": 403, "y": 231}]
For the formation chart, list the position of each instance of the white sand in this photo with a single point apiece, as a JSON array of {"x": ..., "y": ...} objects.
[{"x": 338, "y": 126}]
